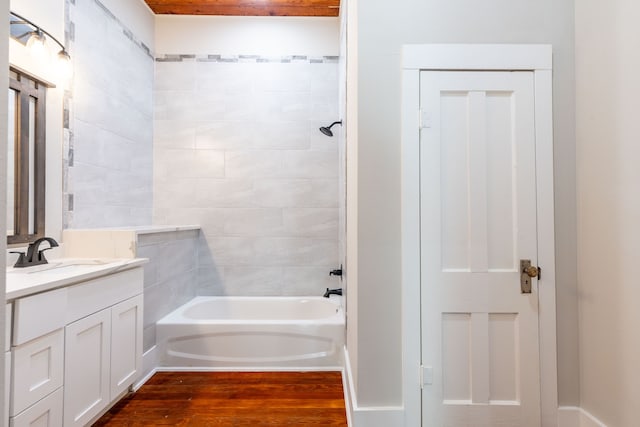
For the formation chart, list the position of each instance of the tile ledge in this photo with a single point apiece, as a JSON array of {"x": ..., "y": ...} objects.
[
  {"x": 145, "y": 229},
  {"x": 164, "y": 228}
]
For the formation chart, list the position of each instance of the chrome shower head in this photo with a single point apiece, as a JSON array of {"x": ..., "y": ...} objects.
[{"x": 327, "y": 130}]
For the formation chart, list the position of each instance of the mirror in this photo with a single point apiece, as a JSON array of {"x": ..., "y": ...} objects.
[
  {"x": 11, "y": 159},
  {"x": 25, "y": 159}
]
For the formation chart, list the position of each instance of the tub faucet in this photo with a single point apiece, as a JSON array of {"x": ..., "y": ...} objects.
[
  {"x": 336, "y": 272},
  {"x": 332, "y": 292},
  {"x": 35, "y": 256}
]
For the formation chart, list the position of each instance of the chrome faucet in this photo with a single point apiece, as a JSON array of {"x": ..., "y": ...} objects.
[
  {"x": 332, "y": 292},
  {"x": 35, "y": 255}
]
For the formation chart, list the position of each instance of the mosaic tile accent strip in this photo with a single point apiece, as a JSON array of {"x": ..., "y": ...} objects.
[
  {"x": 126, "y": 31},
  {"x": 248, "y": 58},
  {"x": 67, "y": 152}
]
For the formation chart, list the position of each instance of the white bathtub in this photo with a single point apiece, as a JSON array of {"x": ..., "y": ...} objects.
[{"x": 253, "y": 333}]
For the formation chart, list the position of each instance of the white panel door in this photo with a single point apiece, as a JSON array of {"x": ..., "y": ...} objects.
[
  {"x": 478, "y": 220},
  {"x": 86, "y": 368},
  {"x": 126, "y": 344}
]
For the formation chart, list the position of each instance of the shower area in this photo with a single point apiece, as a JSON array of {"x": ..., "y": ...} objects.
[
  {"x": 237, "y": 150},
  {"x": 242, "y": 148}
]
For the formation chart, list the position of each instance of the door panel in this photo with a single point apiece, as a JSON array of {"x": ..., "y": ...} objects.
[
  {"x": 86, "y": 377},
  {"x": 478, "y": 219},
  {"x": 126, "y": 344}
]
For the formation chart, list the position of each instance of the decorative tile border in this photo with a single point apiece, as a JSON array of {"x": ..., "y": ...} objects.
[
  {"x": 68, "y": 136},
  {"x": 248, "y": 58},
  {"x": 126, "y": 31}
]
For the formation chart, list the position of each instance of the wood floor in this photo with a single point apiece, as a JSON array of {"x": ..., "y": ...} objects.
[{"x": 233, "y": 399}]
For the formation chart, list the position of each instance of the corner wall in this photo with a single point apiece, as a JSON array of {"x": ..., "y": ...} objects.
[
  {"x": 378, "y": 294},
  {"x": 607, "y": 86}
]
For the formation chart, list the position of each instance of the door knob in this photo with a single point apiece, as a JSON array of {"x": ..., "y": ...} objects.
[
  {"x": 527, "y": 272},
  {"x": 531, "y": 271}
]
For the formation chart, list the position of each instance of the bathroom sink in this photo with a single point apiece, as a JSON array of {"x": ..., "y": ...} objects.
[{"x": 63, "y": 266}]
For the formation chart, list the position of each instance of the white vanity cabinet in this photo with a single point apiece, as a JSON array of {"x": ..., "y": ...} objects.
[
  {"x": 103, "y": 344},
  {"x": 103, "y": 355},
  {"x": 75, "y": 350}
]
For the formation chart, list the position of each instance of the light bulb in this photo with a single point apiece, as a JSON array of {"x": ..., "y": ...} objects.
[
  {"x": 36, "y": 44},
  {"x": 64, "y": 65}
]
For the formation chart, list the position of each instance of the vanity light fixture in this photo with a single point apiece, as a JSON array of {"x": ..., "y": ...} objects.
[{"x": 35, "y": 38}]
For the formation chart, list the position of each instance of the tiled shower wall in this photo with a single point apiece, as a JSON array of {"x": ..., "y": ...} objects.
[
  {"x": 170, "y": 277},
  {"x": 238, "y": 151},
  {"x": 108, "y": 122}
]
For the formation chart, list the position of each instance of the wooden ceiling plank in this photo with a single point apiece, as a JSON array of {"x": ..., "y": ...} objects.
[
  {"x": 246, "y": 7},
  {"x": 256, "y": 3},
  {"x": 178, "y": 9}
]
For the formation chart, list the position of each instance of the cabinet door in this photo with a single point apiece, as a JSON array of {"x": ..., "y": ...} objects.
[
  {"x": 37, "y": 370},
  {"x": 45, "y": 413},
  {"x": 86, "y": 377},
  {"x": 126, "y": 344}
]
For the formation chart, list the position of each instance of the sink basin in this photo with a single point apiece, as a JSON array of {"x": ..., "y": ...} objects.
[{"x": 63, "y": 266}]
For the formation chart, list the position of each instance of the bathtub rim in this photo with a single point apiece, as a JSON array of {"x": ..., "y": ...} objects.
[{"x": 176, "y": 316}]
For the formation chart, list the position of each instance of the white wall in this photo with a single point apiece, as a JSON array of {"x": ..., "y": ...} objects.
[
  {"x": 382, "y": 29},
  {"x": 4, "y": 78},
  {"x": 348, "y": 12},
  {"x": 607, "y": 86},
  {"x": 47, "y": 14},
  {"x": 257, "y": 35}
]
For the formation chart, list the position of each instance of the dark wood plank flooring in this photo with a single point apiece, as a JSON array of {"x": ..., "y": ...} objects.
[{"x": 233, "y": 399}]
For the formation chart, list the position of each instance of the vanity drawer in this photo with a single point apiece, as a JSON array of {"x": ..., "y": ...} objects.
[
  {"x": 39, "y": 315},
  {"x": 45, "y": 413},
  {"x": 38, "y": 369},
  {"x": 94, "y": 295}
]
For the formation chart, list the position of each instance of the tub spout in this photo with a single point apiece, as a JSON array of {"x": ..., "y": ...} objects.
[{"x": 332, "y": 292}]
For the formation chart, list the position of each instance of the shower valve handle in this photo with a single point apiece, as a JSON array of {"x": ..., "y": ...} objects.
[{"x": 337, "y": 272}]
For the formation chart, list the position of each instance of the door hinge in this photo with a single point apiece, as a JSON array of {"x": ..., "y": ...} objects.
[
  {"x": 426, "y": 375},
  {"x": 426, "y": 119}
]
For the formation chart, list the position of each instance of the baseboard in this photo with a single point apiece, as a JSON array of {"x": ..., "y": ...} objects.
[
  {"x": 349, "y": 389},
  {"x": 149, "y": 367},
  {"x": 367, "y": 416},
  {"x": 573, "y": 416},
  {"x": 249, "y": 369}
]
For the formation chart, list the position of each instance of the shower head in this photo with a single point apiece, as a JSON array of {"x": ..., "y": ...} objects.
[{"x": 327, "y": 130}]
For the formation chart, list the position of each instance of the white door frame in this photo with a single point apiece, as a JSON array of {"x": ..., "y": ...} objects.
[{"x": 536, "y": 58}]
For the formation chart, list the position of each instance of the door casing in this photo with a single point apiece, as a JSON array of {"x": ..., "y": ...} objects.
[{"x": 479, "y": 57}]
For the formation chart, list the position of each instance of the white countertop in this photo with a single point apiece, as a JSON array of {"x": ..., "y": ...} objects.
[{"x": 62, "y": 272}]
